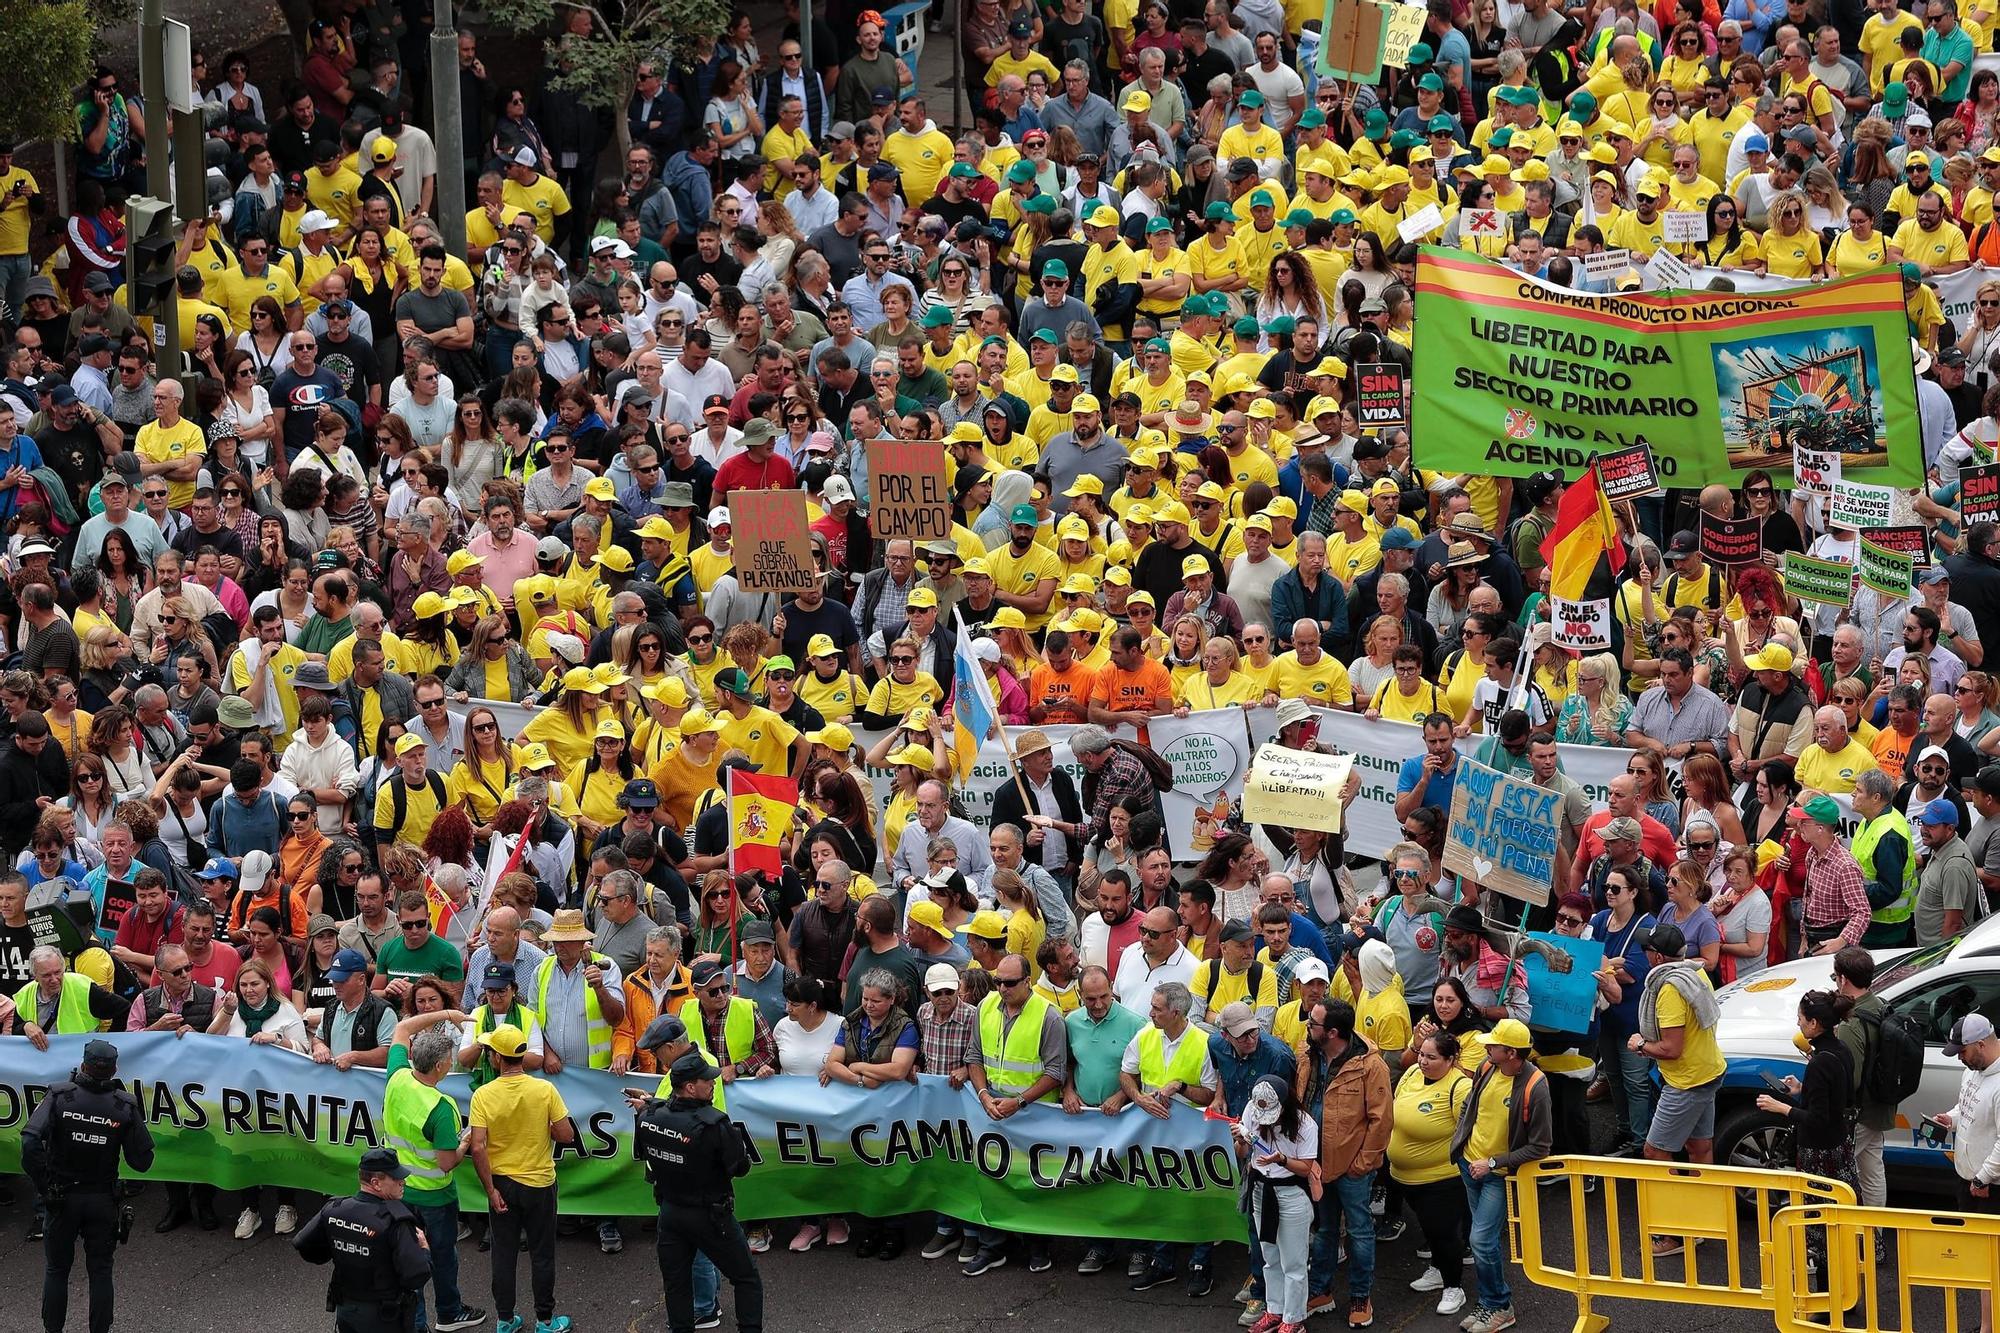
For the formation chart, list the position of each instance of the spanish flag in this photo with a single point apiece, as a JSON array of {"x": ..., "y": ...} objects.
[
  {"x": 1585, "y": 532},
  {"x": 760, "y": 813}
]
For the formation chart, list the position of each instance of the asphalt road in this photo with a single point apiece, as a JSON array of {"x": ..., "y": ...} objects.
[{"x": 207, "y": 1282}]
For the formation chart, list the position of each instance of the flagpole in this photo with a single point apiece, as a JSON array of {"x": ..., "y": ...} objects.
[{"x": 1006, "y": 744}]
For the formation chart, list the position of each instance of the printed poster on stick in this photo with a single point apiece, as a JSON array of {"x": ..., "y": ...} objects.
[
  {"x": 1379, "y": 394},
  {"x": 1979, "y": 493},
  {"x": 1861, "y": 505},
  {"x": 1628, "y": 473},
  {"x": 1890, "y": 573},
  {"x": 1502, "y": 833},
  {"x": 1910, "y": 539},
  {"x": 1815, "y": 471},
  {"x": 1296, "y": 788},
  {"x": 1207, "y": 753},
  {"x": 1581, "y": 625},
  {"x": 911, "y": 482},
  {"x": 1514, "y": 375},
  {"x": 774, "y": 551},
  {"x": 1731, "y": 541},
  {"x": 1826, "y": 582},
  {"x": 1406, "y": 29}
]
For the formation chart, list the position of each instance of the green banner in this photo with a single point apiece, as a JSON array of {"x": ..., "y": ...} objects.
[
  {"x": 1811, "y": 579},
  {"x": 1891, "y": 573},
  {"x": 235, "y": 1115},
  {"x": 1514, "y": 375}
]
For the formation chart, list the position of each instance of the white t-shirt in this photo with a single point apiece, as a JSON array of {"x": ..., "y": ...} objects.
[{"x": 801, "y": 1053}]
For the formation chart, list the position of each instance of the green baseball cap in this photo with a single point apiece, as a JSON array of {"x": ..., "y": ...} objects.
[
  {"x": 1376, "y": 123},
  {"x": 1041, "y": 203},
  {"x": 1023, "y": 513},
  {"x": 1262, "y": 199},
  {"x": 1298, "y": 217},
  {"x": 1420, "y": 54},
  {"x": 1442, "y": 124},
  {"x": 1055, "y": 268},
  {"x": 1217, "y": 211},
  {"x": 965, "y": 171},
  {"x": 1246, "y": 327},
  {"x": 1043, "y": 335},
  {"x": 1342, "y": 217},
  {"x": 1822, "y": 810},
  {"x": 937, "y": 317},
  {"x": 1311, "y": 118},
  {"x": 1251, "y": 97},
  {"x": 1405, "y": 139},
  {"x": 1431, "y": 83},
  {"x": 1156, "y": 225},
  {"x": 1159, "y": 345},
  {"x": 1281, "y": 327}
]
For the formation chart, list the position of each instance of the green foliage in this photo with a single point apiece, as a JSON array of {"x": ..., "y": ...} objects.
[
  {"x": 599, "y": 68},
  {"x": 46, "y": 46}
]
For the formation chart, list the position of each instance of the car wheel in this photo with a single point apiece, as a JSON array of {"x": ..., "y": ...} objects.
[{"x": 1753, "y": 1138}]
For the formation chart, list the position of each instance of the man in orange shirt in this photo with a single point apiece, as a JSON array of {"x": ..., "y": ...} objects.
[
  {"x": 1891, "y": 746},
  {"x": 1059, "y": 689},
  {"x": 1133, "y": 688}
]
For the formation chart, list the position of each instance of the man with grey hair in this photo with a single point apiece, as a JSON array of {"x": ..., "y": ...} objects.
[
  {"x": 414, "y": 569},
  {"x": 551, "y": 854},
  {"x": 423, "y": 1126},
  {"x": 1111, "y": 774},
  {"x": 934, "y": 819},
  {"x": 1009, "y": 847},
  {"x": 621, "y": 926},
  {"x": 1167, "y": 1061},
  {"x": 1088, "y": 115}
]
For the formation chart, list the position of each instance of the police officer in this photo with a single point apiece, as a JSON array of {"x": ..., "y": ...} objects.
[
  {"x": 380, "y": 1258},
  {"x": 693, "y": 1153},
  {"x": 70, "y": 1150}
]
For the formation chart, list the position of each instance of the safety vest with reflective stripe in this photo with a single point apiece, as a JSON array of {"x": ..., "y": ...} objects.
[
  {"x": 695, "y": 1035},
  {"x": 1156, "y": 1071},
  {"x": 596, "y": 1029},
  {"x": 72, "y": 1009},
  {"x": 1863, "y": 847},
  {"x": 1013, "y": 1061},
  {"x": 407, "y": 1104}
]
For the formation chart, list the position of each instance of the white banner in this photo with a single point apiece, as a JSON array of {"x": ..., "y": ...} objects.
[{"x": 1209, "y": 752}]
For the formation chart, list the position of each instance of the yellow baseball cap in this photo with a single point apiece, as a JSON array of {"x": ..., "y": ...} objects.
[
  {"x": 1078, "y": 585},
  {"x": 669, "y": 690},
  {"x": 607, "y": 674},
  {"x": 1119, "y": 575},
  {"x": 461, "y": 560},
  {"x": 608, "y": 730},
  {"x": 582, "y": 680},
  {"x": 536, "y": 756},
  {"x": 914, "y": 756},
  {"x": 1353, "y": 500},
  {"x": 1140, "y": 515},
  {"x": 600, "y": 488},
  {"x": 1144, "y": 457},
  {"x": 1262, "y": 409},
  {"x": 1009, "y": 617},
  {"x": 922, "y": 599},
  {"x": 821, "y": 645},
  {"x": 656, "y": 529},
  {"x": 1193, "y": 565},
  {"x": 699, "y": 722},
  {"x": 407, "y": 742},
  {"x": 833, "y": 735},
  {"x": 1173, "y": 511},
  {"x": 428, "y": 604},
  {"x": 1085, "y": 402},
  {"x": 975, "y": 566},
  {"x": 1086, "y": 483},
  {"x": 462, "y": 596},
  {"x": 616, "y": 559},
  {"x": 1281, "y": 506}
]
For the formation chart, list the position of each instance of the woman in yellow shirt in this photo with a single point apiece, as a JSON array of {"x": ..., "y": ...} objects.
[
  {"x": 427, "y": 650},
  {"x": 658, "y": 730},
  {"x": 1218, "y": 684},
  {"x": 1860, "y": 247},
  {"x": 599, "y": 780},
  {"x": 828, "y": 686},
  {"x": 1730, "y": 245},
  {"x": 480, "y": 780},
  {"x": 688, "y": 770},
  {"x": 905, "y": 687},
  {"x": 704, "y": 657},
  {"x": 493, "y": 666},
  {"x": 566, "y": 729},
  {"x": 1423, "y": 1120},
  {"x": 1185, "y": 660},
  {"x": 1406, "y": 696},
  {"x": 1792, "y": 249},
  {"x": 1025, "y": 927}
]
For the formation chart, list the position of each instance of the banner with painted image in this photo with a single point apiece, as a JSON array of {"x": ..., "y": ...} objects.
[
  {"x": 234, "y": 1115},
  {"x": 1514, "y": 374},
  {"x": 1209, "y": 752}
]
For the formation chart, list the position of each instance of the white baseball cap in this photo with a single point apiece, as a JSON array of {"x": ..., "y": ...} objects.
[
  {"x": 718, "y": 517},
  {"x": 525, "y": 157},
  {"x": 315, "y": 220}
]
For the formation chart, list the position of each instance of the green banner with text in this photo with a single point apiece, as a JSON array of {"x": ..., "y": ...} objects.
[{"x": 1514, "y": 375}]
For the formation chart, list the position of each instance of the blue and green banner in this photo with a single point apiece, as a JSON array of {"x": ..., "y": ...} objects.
[{"x": 234, "y": 1115}]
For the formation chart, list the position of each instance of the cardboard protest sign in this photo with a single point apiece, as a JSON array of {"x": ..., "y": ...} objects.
[
  {"x": 910, "y": 481},
  {"x": 1207, "y": 752},
  {"x": 773, "y": 542},
  {"x": 1910, "y": 539},
  {"x": 1378, "y": 399},
  {"x": 1979, "y": 493},
  {"x": 1502, "y": 833},
  {"x": 1811, "y": 579},
  {"x": 1860, "y": 505},
  {"x": 1815, "y": 471},
  {"x": 1681, "y": 227},
  {"x": 1890, "y": 573},
  {"x": 1731, "y": 541},
  {"x": 1295, "y": 788},
  {"x": 1564, "y": 1001},
  {"x": 1353, "y": 39},
  {"x": 1475, "y": 222},
  {"x": 1581, "y": 625},
  {"x": 1628, "y": 473},
  {"x": 1405, "y": 29},
  {"x": 120, "y": 897},
  {"x": 1667, "y": 271}
]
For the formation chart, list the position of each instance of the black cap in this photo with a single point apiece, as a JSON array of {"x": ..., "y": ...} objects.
[
  {"x": 1684, "y": 543},
  {"x": 1539, "y": 486},
  {"x": 1465, "y": 918},
  {"x": 383, "y": 1162},
  {"x": 663, "y": 1029},
  {"x": 497, "y": 976},
  {"x": 691, "y": 1068},
  {"x": 1987, "y": 779},
  {"x": 1371, "y": 447},
  {"x": 1666, "y": 940},
  {"x": 100, "y": 1054},
  {"x": 639, "y": 794},
  {"x": 1236, "y": 932}
]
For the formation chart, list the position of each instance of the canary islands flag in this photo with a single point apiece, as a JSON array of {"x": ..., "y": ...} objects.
[
  {"x": 1584, "y": 533},
  {"x": 973, "y": 711},
  {"x": 760, "y": 811}
]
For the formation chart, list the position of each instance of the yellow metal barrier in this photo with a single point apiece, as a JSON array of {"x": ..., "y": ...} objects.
[
  {"x": 1939, "y": 1258},
  {"x": 1720, "y": 1214}
]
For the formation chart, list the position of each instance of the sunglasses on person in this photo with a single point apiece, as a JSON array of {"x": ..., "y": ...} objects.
[
  {"x": 299, "y": 816},
  {"x": 1152, "y": 934},
  {"x": 701, "y": 638},
  {"x": 1568, "y": 919},
  {"x": 415, "y": 925}
]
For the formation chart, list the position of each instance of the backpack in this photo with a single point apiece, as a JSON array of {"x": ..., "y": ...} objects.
[
  {"x": 1893, "y": 1065},
  {"x": 399, "y": 798},
  {"x": 1251, "y": 982}
]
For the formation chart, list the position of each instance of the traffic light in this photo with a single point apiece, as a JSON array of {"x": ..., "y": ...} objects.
[{"x": 150, "y": 245}]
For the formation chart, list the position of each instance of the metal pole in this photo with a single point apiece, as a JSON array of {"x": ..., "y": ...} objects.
[
  {"x": 447, "y": 130},
  {"x": 153, "y": 89}
]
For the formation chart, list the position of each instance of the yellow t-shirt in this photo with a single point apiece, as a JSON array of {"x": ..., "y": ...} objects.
[
  {"x": 895, "y": 699},
  {"x": 1795, "y": 256},
  {"x": 541, "y": 197},
  {"x": 1196, "y": 693},
  {"x": 238, "y": 289},
  {"x": 160, "y": 444},
  {"x": 923, "y": 158},
  {"x": 516, "y": 1111},
  {"x": 1881, "y": 46},
  {"x": 1349, "y": 560},
  {"x": 1024, "y": 66},
  {"x": 762, "y": 735},
  {"x": 14, "y": 214},
  {"x": 479, "y": 787},
  {"x": 1489, "y": 1127},
  {"x": 340, "y": 657},
  {"x": 780, "y": 146},
  {"x": 1424, "y": 1117},
  {"x": 421, "y": 809},
  {"x": 1701, "y": 1058},
  {"x": 1324, "y": 682},
  {"x": 1019, "y": 575},
  {"x": 1155, "y": 267},
  {"x": 1943, "y": 244},
  {"x": 1396, "y": 706},
  {"x": 285, "y": 664},
  {"x": 1214, "y": 985},
  {"x": 1265, "y": 145},
  {"x": 1834, "y": 774},
  {"x": 336, "y": 195},
  {"x": 1384, "y": 1018}
]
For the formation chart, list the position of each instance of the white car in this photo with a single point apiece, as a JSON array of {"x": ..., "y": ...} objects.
[{"x": 1936, "y": 986}]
